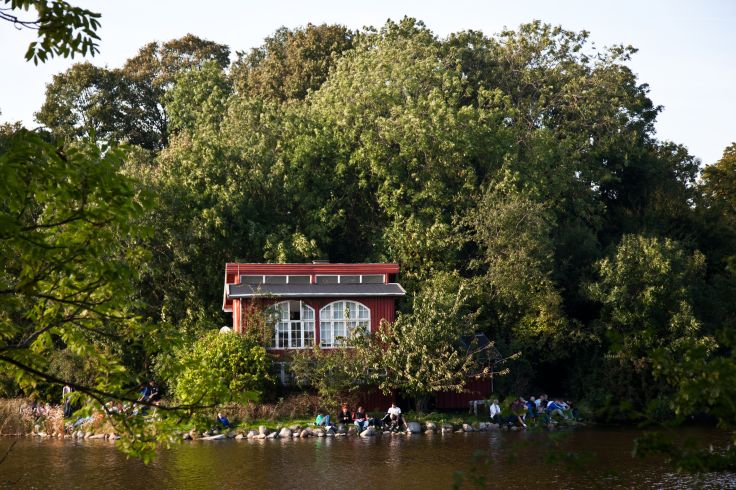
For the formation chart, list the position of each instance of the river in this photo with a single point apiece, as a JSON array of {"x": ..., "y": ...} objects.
[{"x": 590, "y": 458}]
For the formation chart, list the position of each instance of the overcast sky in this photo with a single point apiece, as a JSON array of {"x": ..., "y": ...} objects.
[{"x": 687, "y": 49}]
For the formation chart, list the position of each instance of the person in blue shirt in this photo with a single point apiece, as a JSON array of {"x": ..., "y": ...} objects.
[{"x": 223, "y": 421}]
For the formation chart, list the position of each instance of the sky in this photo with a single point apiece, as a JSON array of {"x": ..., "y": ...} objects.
[{"x": 687, "y": 49}]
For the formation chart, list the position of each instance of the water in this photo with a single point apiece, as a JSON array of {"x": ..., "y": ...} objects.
[{"x": 595, "y": 458}]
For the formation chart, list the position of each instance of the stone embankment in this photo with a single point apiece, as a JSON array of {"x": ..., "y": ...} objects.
[{"x": 299, "y": 432}]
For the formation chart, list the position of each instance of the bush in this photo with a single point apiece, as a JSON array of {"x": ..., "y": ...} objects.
[{"x": 221, "y": 368}]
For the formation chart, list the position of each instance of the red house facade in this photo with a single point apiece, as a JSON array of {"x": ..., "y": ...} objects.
[{"x": 312, "y": 304}]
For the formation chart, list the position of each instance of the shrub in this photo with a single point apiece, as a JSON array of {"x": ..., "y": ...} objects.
[{"x": 221, "y": 368}]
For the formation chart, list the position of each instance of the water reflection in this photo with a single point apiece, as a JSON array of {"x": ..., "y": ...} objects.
[{"x": 516, "y": 459}]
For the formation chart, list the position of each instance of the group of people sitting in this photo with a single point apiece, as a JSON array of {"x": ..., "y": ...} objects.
[
  {"x": 393, "y": 420},
  {"x": 530, "y": 411}
]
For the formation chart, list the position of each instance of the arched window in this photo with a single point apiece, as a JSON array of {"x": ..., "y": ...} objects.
[
  {"x": 294, "y": 328},
  {"x": 338, "y": 320}
]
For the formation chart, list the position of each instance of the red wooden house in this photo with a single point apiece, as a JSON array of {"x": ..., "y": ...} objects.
[
  {"x": 321, "y": 304},
  {"x": 314, "y": 304}
]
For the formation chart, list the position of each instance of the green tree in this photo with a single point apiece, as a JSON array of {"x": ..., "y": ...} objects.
[
  {"x": 126, "y": 104},
  {"x": 513, "y": 274},
  {"x": 646, "y": 292},
  {"x": 86, "y": 100},
  {"x": 421, "y": 352},
  {"x": 290, "y": 63},
  {"x": 63, "y": 30},
  {"x": 69, "y": 255},
  {"x": 220, "y": 368}
]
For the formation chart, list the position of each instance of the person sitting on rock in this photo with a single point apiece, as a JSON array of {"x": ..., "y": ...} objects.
[
  {"x": 322, "y": 420},
  {"x": 518, "y": 408},
  {"x": 393, "y": 418},
  {"x": 554, "y": 408},
  {"x": 495, "y": 412},
  {"x": 360, "y": 419},
  {"x": 344, "y": 416}
]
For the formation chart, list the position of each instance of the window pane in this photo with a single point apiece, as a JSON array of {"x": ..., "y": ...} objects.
[
  {"x": 373, "y": 279},
  {"x": 299, "y": 279},
  {"x": 275, "y": 279},
  {"x": 283, "y": 310},
  {"x": 296, "y": 334},
  {"x": 339, "y": 329},
  {"x": 294, "y": 310},
  {"x": 362, "y": 312},
  {"x": 307, "y": 312},
  {"x": 338, "y": 310},
  {"x": 308, "y": 334},
  {"x": 349, "y": 279},
  {"x": 325, "y": 333},
  {"x": 350, "y": 310},
  {"x": 251, "y": 279},
  {"x": 326, "y": 279},
  {"x": 325, "y": 313},
  {"x": 282, "y": 334}
]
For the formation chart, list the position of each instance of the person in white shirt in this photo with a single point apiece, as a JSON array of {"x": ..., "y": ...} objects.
[
  {"x": 393, "y": 418},
  {"x": 495, "y": 412}
]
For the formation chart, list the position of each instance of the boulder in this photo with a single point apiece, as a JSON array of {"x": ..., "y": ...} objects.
[
  {"x": 240, "y": 437},
  {"x": 295, "y": 428},
  {"x": 304, "y": 433},
  {"x": 251, "y": 434},
  {"x": 329, "y": 433},
  {"x": 342, "y": 429},
  {"x": 97, "y": 436},
  {"x": 273, "y": 435},
  {"x": 413, "y": 428},
  {"x": 448, "y": 427},
  {"x": 216, "y": 437},
  {"x": 352, "y": 431},
  {"x": 193, "y": 434},
  {"x": 284, "y": 432},
  {"x": 263, "y": 430},
  {"x": 36, "y": 428},
  {"x": 468, "y": 428},
  {"x": 369, "y": 432},
  {"x": 431, "y": 426},
  {"x": 318, "y": 433}
]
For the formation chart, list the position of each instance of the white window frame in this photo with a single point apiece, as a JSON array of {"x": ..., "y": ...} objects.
[
  {"x": 263, "y": 277},
  {"x": 316, "y": 281},
  {"x": 328, "y": 320},
  {"x": 306, "y": 325}
]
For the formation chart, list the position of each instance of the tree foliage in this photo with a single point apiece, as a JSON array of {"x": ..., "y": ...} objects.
[
  {"x": 291, "y": 63},
  {"x": 63, "y": 29},
  {"x": 220, "y": 368}
]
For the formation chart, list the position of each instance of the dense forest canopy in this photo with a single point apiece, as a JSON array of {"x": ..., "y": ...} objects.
[{"x": 523, "y": 165}]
